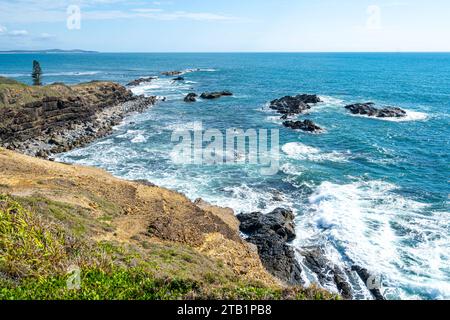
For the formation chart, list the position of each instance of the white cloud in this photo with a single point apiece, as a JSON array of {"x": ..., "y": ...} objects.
[
  {"x": 46, "y": 36},
  {"x": 3, "y": 29},
  {"x": 18, "y": 33},
  {"x": 31, "y": 11}
]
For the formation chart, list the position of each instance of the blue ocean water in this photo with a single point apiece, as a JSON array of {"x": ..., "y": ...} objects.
[{"x": 372, "y": 192}]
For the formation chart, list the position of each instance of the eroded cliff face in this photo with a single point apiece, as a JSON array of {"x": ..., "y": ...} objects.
[
  {"x": 64, "y": 117},
  {"x": 132, "y": 213}
]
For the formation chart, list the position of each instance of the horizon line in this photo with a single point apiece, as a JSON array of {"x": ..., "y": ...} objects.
[{"x": 81, "y": 51}]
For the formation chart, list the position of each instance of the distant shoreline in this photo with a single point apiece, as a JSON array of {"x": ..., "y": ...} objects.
[{"x": 51, "y": 51}]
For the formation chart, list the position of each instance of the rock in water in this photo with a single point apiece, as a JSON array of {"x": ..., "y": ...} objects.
[
  {"x": 326, "y": 271},
  {"x": 191, "y": 97},
  {"x": 289, "y": 105},
  {"x": 369, "y": 281},
  {"x": 215, "y": 95},
  {"x": 172, "y": 73},
  {"x": 306, "y": 125},
  {"x": 141, "y": 80},
  {"x": 270, "y": 233},
  {"x": 369, "y": 109},
  {"x": 178, "y": 79}
]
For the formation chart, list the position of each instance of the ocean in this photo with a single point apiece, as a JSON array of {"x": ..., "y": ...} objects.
[{"x": 371, "y": 192}]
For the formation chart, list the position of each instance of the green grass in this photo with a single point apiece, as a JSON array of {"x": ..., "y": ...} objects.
[
  {"x": 38, "y": 245},
  {"x": 9, "y": 81}
]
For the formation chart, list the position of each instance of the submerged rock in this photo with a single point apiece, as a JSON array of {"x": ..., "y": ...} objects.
[
  {"x": 369, "y": 109},
  {"x": 178, "y": 79},
  {"x": 215, "y": 95},
  {"x": 290, "y": 105},
  {"x": 270, "y": 233},
  {"x": 306, "y": 125},
  {"x": 191, "y": 97}
]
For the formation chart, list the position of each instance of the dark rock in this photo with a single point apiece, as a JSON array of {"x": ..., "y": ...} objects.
[
  {"x": 369, "y": 109},
  {"x": 306, "y": 125},
  {"x": 172, "y": 73},
  {"x": 140, "y": 80},
  {"x": 191, "y": 97},
  {"x": 178, "y": 79},
  {"x": 57, "y": 124},
  {"x": 327, "y": 273},
  {"x": 366, "y": 277},
  {"x": 289, "y": 105},
  {"x": 215, "y": 95},
  {"x": 270, "y": 233}
]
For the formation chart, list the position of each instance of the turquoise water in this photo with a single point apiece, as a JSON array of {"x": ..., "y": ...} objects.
[{"x": 372, "y": 192}]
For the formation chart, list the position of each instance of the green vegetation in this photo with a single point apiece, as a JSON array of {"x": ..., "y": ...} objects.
[
  {"x": 37, "y": 73},
  {"x": 39, "y": 242}
]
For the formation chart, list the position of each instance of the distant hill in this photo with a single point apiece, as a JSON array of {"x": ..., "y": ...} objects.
[{"x": 46, "y": 51}]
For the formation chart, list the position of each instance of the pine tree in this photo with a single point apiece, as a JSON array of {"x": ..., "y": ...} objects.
[{"x": 37, "y": 73}]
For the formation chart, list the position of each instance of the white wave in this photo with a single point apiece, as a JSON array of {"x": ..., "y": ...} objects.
[
  {"x": 74, "y": 73},
  {"x": 171, "y": 90},
  {"x": 244, "y": 198},
  {"x": 410, "y": 116},
  {"x": 199, "y": 70},
  {"x": 300, "y": 151},
  {"x": 328, "y": 100},
  {"x": 139, "y": 139},
  {"x": 369, "y": 224}
]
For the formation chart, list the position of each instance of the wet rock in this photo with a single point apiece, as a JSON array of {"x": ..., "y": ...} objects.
[
  {"x": 370, "y": 281},
  {"x": 178, "y": 79},
  {"x": 270, "y": 233},
  {"x": 369, "y": 109},
  {"x": 172, "y": 73},
  {"x": 215, "y": 95},
  {"x": 191, "y": 97},
  {"x": 139, "y": 81},
  {"x": 291, "y": 105},
  {"x": 328, "y": 274},
  {"x": 306, "y": 125}
]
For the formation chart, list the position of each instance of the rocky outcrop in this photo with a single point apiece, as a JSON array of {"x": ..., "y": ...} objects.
[
  {"x": 215, "y": 95},
  {"x": 271, "y": 233},
  {"x": 369, "y": 109},
  {"x": 191, "y": 97},
  {"x": 139, "y": 81},
  {"x": 172, "y": 73},
  {"x": 370, "y": 281},
  {"x": 305, "y": 125},
  {"x": 291, "y": 105},
  {"x": 328, "y": 274},
  {"x": 57, "y": 124}
]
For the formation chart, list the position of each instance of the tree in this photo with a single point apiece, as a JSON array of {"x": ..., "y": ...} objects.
[{"x": 37, "y": 73}]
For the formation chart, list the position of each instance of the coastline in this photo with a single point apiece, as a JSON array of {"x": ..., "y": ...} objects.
[{"x": 215, "y": 232}]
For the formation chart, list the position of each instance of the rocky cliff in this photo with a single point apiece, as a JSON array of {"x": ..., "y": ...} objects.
[
  {"x": 40, "y": 121},
  {"x": 130, "y": 240}
]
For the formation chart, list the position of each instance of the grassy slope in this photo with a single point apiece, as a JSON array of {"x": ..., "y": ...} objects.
[
  {"x": 16, "y": 94},
  {"x": 131, "y": 241}
]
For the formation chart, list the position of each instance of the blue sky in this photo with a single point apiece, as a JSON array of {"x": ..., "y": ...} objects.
[{"x": 227, "y": 25}]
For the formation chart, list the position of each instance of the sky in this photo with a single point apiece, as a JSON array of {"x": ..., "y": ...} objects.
[{"x": 226, "y": 25}]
